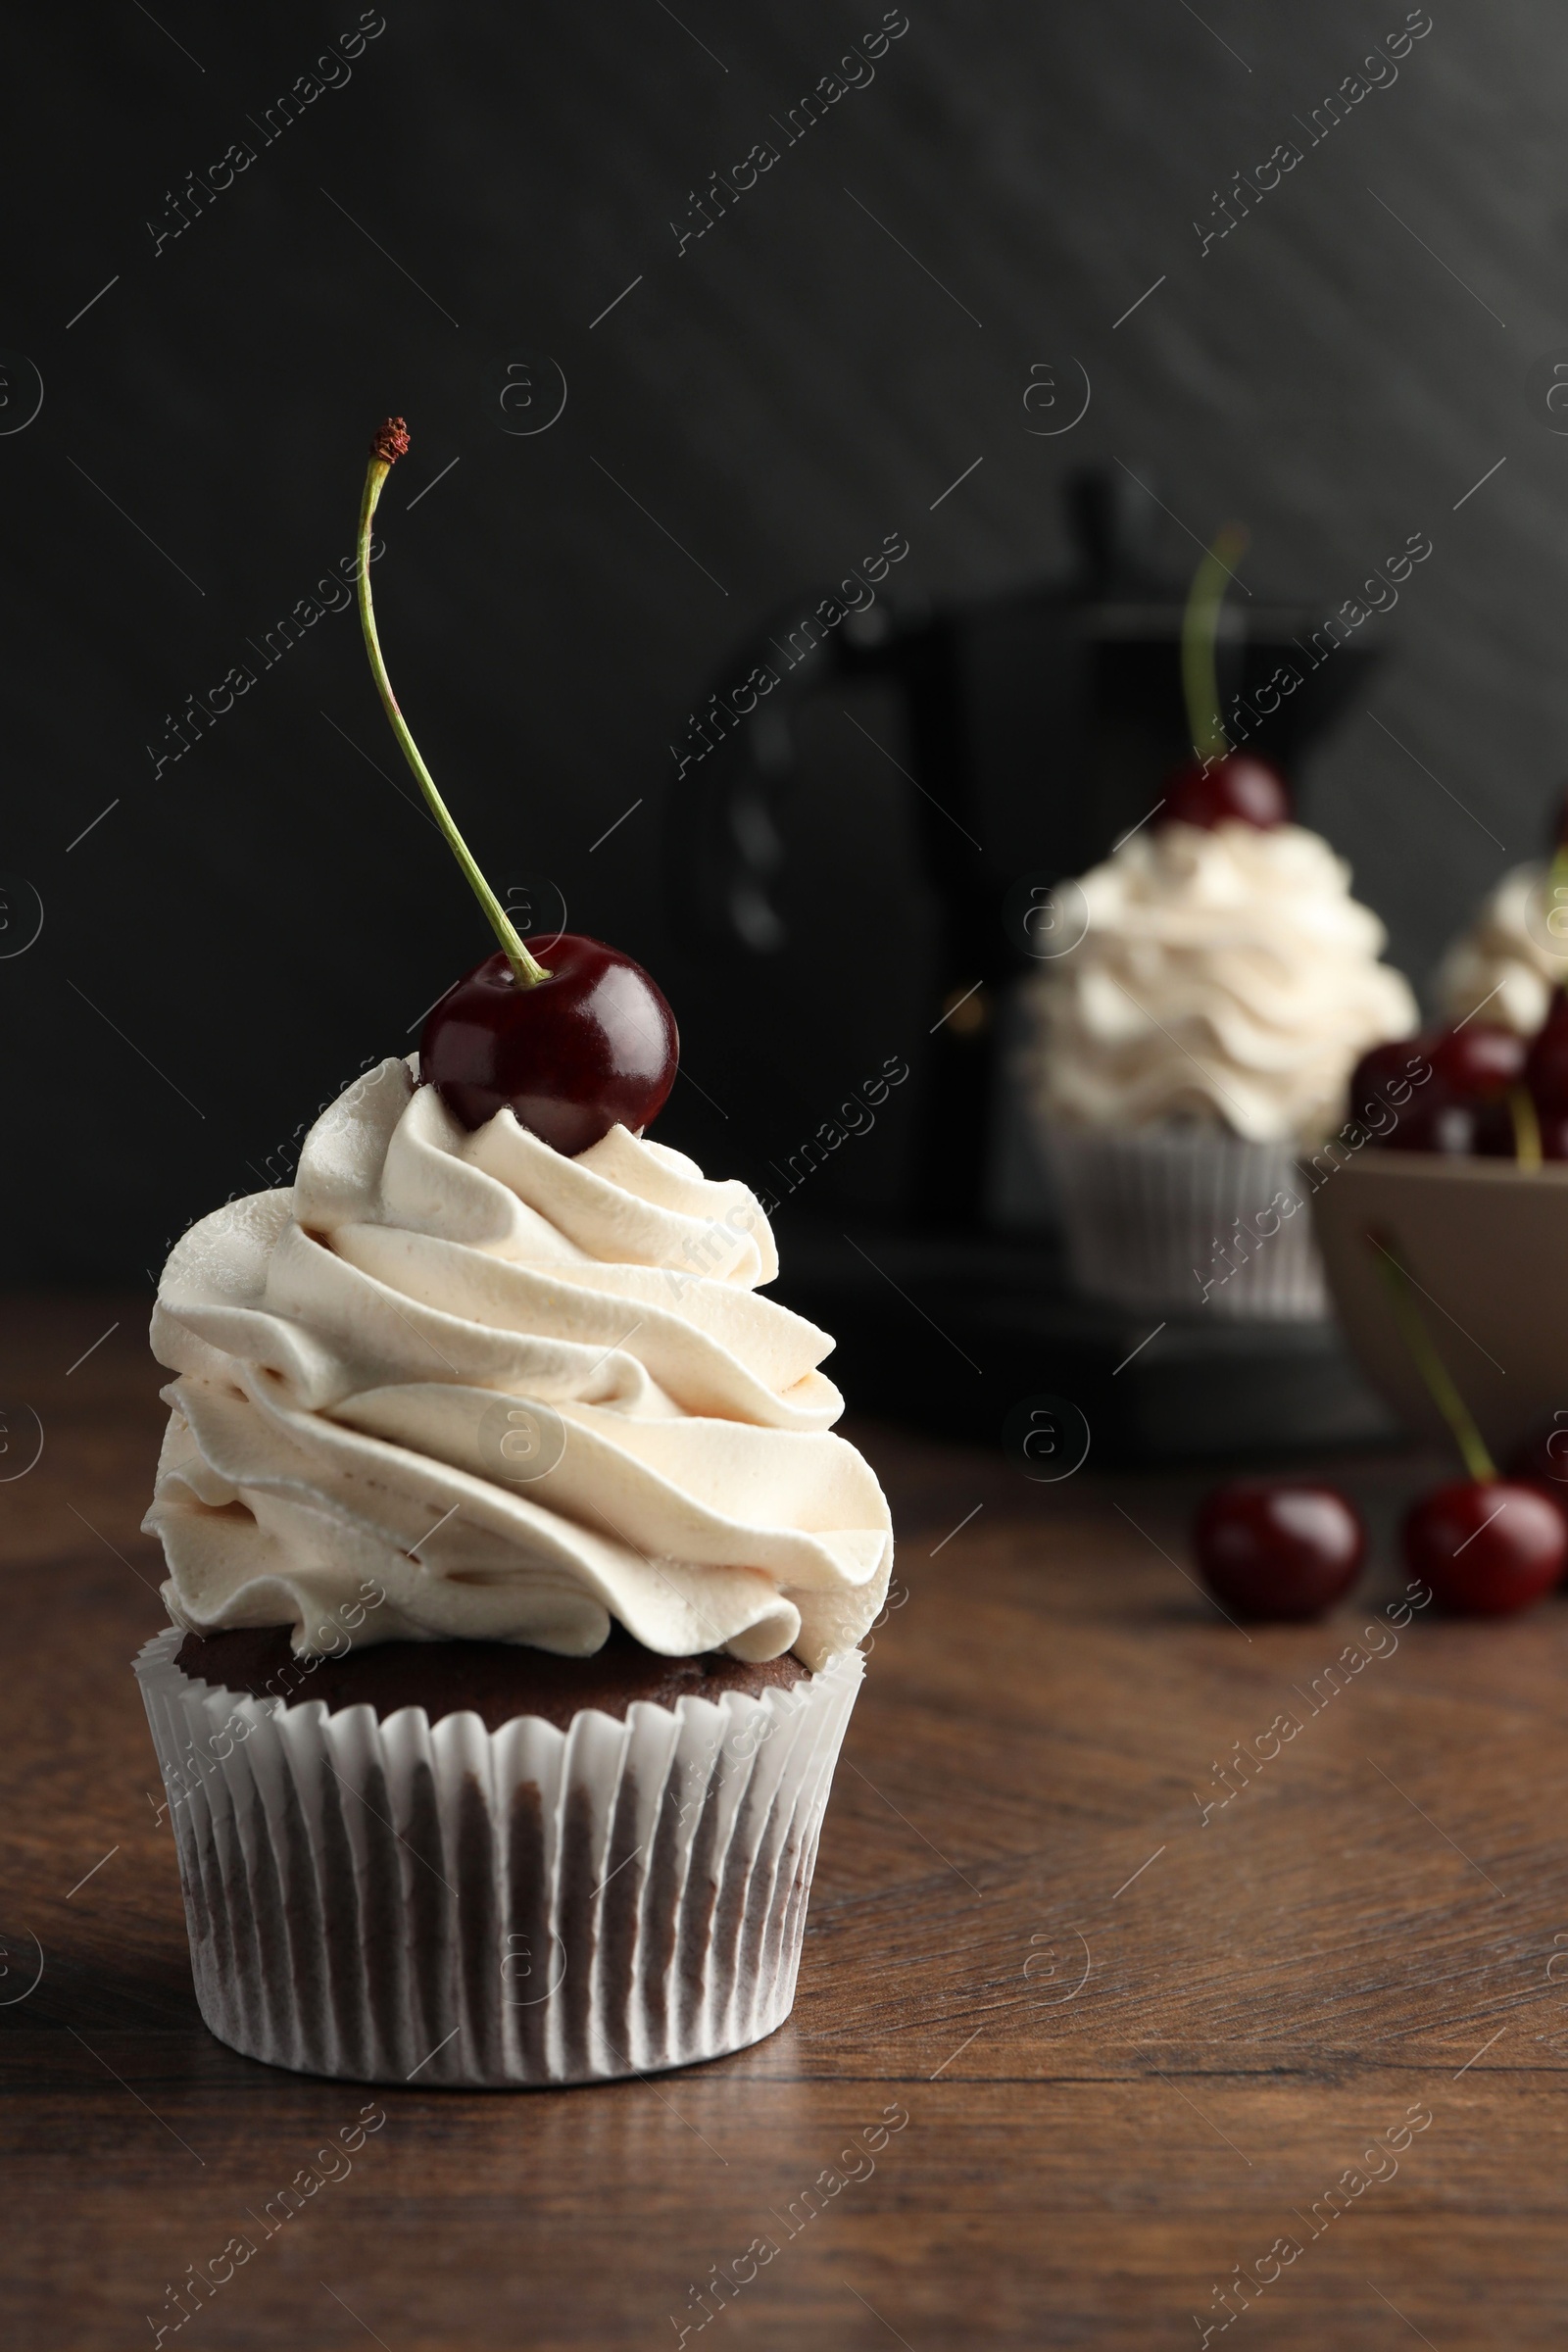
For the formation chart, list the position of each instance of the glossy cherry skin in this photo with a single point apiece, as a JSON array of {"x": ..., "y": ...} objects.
[
  {"x": 1486, "y": 1548},
  {"x": 1459, "y": 1108},
  {"x": 1237, "y": 789},
  {"x": 1481, "y": 1059},
  {"x": 592, "y": 1046},
  {"x": 1286, "y": 1553},
  {"x": 1547, "y": 1067}
]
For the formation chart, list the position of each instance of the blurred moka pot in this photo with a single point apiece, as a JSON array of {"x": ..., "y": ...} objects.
[{"x": 1022, "y": 735}]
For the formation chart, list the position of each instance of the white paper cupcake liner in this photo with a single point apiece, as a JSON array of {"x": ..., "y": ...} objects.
[
  {"x": 396, "y": 1901},
  {"x": 1152, "y": 1215}
]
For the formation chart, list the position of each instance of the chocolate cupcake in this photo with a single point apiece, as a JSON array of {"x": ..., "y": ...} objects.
[
  {"x": 1196, "y": 1020},
  {"x": 500, "y": 1708},
  {"x": 516, "y": 1576},
  {"x": 1190, "y": 1049}
]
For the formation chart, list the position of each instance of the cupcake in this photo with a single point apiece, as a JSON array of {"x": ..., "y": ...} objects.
[
  {"x": 515, "y": 1573},
  {"x": 1194, "y": 1043},
  {"x": 1508, "y": 960},
  {"x": 1200, "y": 1034}
]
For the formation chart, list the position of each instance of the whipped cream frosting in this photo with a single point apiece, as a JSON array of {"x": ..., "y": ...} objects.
[
  {"x": 518, "y": 1394},
  {"x": 1505, "y": 959},
  {"x": 1225, "y": 976}
]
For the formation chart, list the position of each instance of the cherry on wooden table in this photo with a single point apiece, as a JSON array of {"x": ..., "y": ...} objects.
[
  {"x": 1278, "y": 1551},
  {"x": 1487, "y": 1547}
]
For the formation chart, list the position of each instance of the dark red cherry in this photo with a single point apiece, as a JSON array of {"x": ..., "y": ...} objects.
[
  {"x": 1546, "y": 1064},
  {"x": 1434, "y": 1122},
  {"x": 1387, "y": 1082},
  {"x": 1479, "y": 1060},
  {"x": 1494, "y": 1136},
  {"x": 1287, "y": 1552},
  {"x": 1237, "y": 789},
  {"x": 1487, "y": 1547},
  {"x": 592, "y": 1046},
  {"x": 1448, "y": 1091}
]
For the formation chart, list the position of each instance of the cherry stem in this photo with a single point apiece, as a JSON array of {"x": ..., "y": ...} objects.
[
  {"x": 1429, "y": 1363},
  {"x": 1200, "y": 631},
  {"x": 1527, "y": 1149},
  {"x": 390, "y": 443}
]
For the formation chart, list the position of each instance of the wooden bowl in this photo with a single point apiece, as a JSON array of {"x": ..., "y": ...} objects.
[{"x": 1488, "y": 1243}]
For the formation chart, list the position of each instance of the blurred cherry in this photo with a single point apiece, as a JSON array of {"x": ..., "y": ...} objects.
[
  {"x": 1235, "y": 789},
  {"x": 1274, "y": 1551},
  {"x": 1456, "y": 1083},
  {"x": 1496, "y": 1135},
  {"x": 1453, "y": 1130},
  {"x": 1487, "y": 1547},
  {"x": 1546, "y": 1065},
  {"x": 1389, "y": 1078},
  {"x": 1480, "y": 1059}
]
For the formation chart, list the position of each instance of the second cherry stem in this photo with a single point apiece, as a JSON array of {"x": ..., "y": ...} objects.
[
  {"x": 1200, "y": 631},
  {"x": 1436, "y": 1377}
]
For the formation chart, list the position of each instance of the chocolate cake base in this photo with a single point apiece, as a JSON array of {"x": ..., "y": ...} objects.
[
  {"x": 389, "y": 1901},
  {"x": 497, "y": 1681}
]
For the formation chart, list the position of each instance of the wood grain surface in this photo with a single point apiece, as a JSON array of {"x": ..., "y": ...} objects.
[{"x": 1134, "y": 2046}]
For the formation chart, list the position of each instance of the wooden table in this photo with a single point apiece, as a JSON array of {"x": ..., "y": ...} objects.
[{"x": 1137, "y": 2047}]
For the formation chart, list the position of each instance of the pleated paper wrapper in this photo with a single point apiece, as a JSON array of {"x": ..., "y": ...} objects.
[
  {"x": 1150, "y": 1215},
  {"x": 394, "y": 1901}
]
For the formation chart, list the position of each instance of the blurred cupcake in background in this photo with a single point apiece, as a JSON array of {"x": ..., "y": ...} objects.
[
  {"x": 1203, "y": 1032},
  {"x": 1511, "y": 955}
]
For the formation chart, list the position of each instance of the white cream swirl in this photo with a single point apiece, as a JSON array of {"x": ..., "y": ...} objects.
[
  {"x": 351, "y": 1354},
  {"x": 1224, "y": 975},
  {"x": 1504, "y": 961}
]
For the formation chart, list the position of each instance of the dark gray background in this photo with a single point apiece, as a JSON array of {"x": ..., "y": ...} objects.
[{"x": 271, "y": 911}]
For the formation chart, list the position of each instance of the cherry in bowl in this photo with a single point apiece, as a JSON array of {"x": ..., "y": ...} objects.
[
  {"x": 1546, "y": 1067},
  {"x": 1389, "y": 1078},
  {"x": 1285, "y": 1552},
  {"x": 1487, "y": 1547},
  {"x": 1446, "y": 1093},
  {"x": 1466, "y": 1130},
  {"x": 1479, "y": 1061}
]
